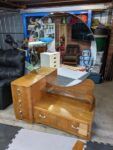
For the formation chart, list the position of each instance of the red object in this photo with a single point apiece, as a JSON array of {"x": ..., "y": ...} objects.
[
  {"x": 73, "y": 20},
  {"x": 84, "y": 18},
  {"x": 31, "y": 39},
  {"x": 61, "y": 49}
]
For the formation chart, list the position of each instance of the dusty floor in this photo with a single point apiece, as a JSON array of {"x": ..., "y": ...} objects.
[{"x": 103, "y": 123}]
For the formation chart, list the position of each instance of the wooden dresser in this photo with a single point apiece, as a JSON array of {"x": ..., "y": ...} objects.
[{"x": 33, "y": 103}]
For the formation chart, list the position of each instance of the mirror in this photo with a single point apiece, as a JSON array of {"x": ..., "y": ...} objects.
[{"x": 65, "y": 33}]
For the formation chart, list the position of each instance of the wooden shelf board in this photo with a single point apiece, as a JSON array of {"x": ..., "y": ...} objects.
[{"x": 65, "y": 107}]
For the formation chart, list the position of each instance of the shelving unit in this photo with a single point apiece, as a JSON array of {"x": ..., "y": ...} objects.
[{"x": 49, "y": 30}]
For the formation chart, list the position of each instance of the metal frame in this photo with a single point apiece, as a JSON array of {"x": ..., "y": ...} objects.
[{"x": 43, "y": 14}]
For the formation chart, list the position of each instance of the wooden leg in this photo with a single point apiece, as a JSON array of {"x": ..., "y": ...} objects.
[{"x": 78, "y": 146}]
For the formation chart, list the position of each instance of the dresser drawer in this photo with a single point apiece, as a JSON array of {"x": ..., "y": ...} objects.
[
  {"x": 54, "y": 61},
  {"x": 72, "y": 126},
  {"x": 78, "y": 128},
  {"x": 62, "y": 123},
  {"x": 44, "y": 117},
  {"x": 54, "y": 65},
  {"x": 53, "y": 56},
  {"x": 83, "y": 129}
]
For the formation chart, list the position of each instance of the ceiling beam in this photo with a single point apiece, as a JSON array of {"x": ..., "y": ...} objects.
[
  {"x": 48, "y": 3},
  {"x": 6, "y": 4},
  {"x": 16, "y": 1},
  {"x": 101, "y": 6},
  {"x": 15, "y": 4}
]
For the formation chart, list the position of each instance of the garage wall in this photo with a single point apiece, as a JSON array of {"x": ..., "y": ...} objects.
[
  {"x": 102, "y": 17},
  {"x": 10, "y": 23},
  {"x": 110, "y": 50}
]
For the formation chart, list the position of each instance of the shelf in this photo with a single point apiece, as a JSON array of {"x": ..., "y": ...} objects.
[{"x": 64, "y": 107}]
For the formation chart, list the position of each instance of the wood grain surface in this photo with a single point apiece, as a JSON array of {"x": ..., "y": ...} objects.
[{"x": 33, "y": 102}]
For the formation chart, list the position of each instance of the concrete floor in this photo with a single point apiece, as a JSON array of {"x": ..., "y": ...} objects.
[{"x": 103, "y": 122}]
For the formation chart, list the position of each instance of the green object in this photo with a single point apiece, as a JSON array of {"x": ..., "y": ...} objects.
[
  {"x": 64, "y": 20},
  {"x": 29, "y": 66},
  {"x": 101, "y": 41}
]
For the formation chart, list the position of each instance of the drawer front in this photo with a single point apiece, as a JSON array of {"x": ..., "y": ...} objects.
[
  {"x": 78, "y": 128},
  {"x": 67, "y": 125},
  {"x": 62, "y": 123},
  {"x": 54, "y": 61},
  {"x": 22, "y": 103},
  {"x": 44, "y": 117},
  {"x": 56, "y": 65},
  {"x": 73, "y": 127},
  {"x": 55, "y": 57},
  {"x": 83, "y": 129}
]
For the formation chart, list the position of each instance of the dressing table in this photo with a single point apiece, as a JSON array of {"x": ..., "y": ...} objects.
[{"x": 37, "y": 99}]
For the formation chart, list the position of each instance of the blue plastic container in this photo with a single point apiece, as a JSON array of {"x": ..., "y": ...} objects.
[{"x": 97, "y": 78}]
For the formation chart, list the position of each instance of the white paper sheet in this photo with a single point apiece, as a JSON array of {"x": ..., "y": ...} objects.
[{"x": 70, "y": 73}]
